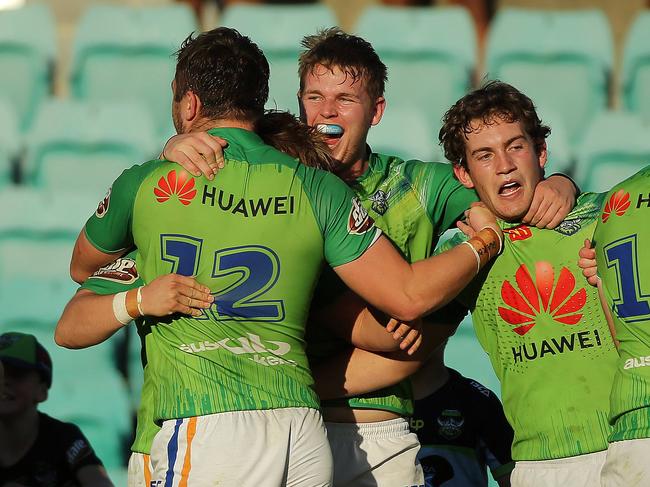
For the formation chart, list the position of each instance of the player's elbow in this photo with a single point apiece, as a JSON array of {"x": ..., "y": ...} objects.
[
  {"x": 410, "y": 308},
  {"x": 62, "y": 339},
  {"x": 77, "y": 273}
]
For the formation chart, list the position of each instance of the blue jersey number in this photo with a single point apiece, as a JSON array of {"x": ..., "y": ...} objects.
[
  {"x": 254, "y": 268},
  {"x": 631, "y": 304}
]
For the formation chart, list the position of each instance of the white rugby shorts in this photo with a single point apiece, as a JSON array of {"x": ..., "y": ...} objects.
[
  {"x": 380, "y": 454},
  {"x": 272, "y": 448},
  {"x": 627, "y": 464},
  {"x": 579, "y": 471},
  {"x": 139, "y": 471}
]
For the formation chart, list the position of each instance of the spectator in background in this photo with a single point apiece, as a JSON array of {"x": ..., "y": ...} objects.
[
  {"x": 461, "y": 426},
  {"x": 35, "y": 449}
]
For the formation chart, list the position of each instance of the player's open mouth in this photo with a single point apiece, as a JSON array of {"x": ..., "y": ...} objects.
[
  {"x": 332, "y": 132},
  {"x": 509, "y": 188}
]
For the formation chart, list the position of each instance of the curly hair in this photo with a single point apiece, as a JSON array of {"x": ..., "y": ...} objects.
[
  {"x": 493, "y": 102},
  {"x": 333, "y": 48},
  {"x": 227, "y": 71}
]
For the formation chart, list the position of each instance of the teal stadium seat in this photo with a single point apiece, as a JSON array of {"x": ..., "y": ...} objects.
[
  {"x": 636, "y": 67},
  {"x": 560, "y": 153},
  {"x": 430, "y": 54},
  {"x": 10, "y": 141},
  {"x": 278, "y": 30},
  {"x": 561, "y": 59},
  {"x": 616, "y": 146},
  {"x": 83, "y": 146},
  {"x": 27, "y": 53},
  {"x": 406, "y": 132},
  {"x": 126, "y": 53}
]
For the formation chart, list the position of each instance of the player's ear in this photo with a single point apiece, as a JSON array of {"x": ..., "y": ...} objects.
[
  {"x": 542, "y": 157},
  {"x": 462, "y": 174},
  {"x": 380, "y": 106},
  {"x": 193, "y": 106}
]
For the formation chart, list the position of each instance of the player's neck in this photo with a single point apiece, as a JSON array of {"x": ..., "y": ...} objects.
[{"x": 207, "y": 124}]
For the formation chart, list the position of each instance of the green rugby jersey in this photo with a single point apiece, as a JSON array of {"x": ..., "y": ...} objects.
[
  {"x": 413, "y": 202},
  {"x": 114, "y": 278},
  {"x": 622, "y": 240},
  {"x": 257, "y": 236},
  {"x": 544, "y": 330}
]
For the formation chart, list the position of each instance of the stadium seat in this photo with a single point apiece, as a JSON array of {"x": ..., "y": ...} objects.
[
  {"x": 430, "y": 54},
  {"x": 561, "y": 59},
  {"x": 636, "y": 67},
  {"x": 616, "y": 146},
  {"x": 415, "y": 139},
  {"x": 560, "y": 154},
  {"x": 83, "y": 146},
  {"x": 126, "y": 53},
  {"x": 278, "y": 30},
  {"x": 27, "y": 53}
]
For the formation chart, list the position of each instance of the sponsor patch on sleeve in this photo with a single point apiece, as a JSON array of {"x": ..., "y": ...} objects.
[
  {"x": 102, "y": 208},
  {"x": 122, "y": 270},
  {"x": 359, "y": 221}
]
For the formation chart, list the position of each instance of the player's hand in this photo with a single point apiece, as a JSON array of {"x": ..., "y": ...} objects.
[
  {"x": 554, "y": 198},
  {"x": 587, "y": 262},
  {"x": 174, "y": 293},
  {"x": 198, "y": 153},
  {"x": 477, "y": 218},
  {"x": 409, "y": 335}
]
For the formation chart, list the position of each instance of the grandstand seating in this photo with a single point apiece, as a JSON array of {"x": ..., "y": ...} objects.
[
  {"x": 278, "y": 30},
  {"x": 616, "y": 146},
  {"x": 126, "y": 53},
  {"x": 83, "y": 146},
  {"x": 405, "y": 131},
  {"x": 27, "y": 53},
  {"x": 636, "y": 67},
  {"x": 430, "y": 54},
  {"x": 561, "y": 59}
]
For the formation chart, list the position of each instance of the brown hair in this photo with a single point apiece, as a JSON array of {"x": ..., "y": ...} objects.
[
  {"x": 286, "y": 133},
  {"x": 333, "y": 48},
  {"x": 227, "y": 71},
  {"x": 495, "y": 100}
]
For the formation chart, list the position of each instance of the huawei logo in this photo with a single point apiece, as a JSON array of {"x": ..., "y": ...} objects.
[
  {"x": 543, "y": 295},
  {"x": 618, "y": 203},
  {"x": 179, "y": 184}
]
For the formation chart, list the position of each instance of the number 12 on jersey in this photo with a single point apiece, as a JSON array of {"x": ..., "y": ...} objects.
[
  {"x": 631, "y": 304},
  {"x": 250, "y": 272}
]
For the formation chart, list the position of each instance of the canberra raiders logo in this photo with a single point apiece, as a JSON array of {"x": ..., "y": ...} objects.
[
  {"x": 450, "y": 424},
  {"x": 380, "y": 201}
]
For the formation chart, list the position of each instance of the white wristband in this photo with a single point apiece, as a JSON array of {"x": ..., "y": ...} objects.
[
  {"x": 478, "y": 258},
  {"x": 139, "y": 297},
  {"x": 119, "y": 308}
]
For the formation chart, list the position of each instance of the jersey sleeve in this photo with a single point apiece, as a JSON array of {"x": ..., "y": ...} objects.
[
  {"x": 445, "y": 198},
  {"x": 109, "y": 228},
  {"x": 120, "y": 275},
  {"x": 348, "y": 230},
  {"x": 496, "y": 434}
]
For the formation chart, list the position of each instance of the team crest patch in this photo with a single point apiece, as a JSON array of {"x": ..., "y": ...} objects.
[
  {"x": 380, "y": 201},
  {"x": 359, "y": 221},
  {"x": 450, "y": 424},
  {"x": 102, "y": 208},
  {"x": 122, "y": 270},
  {"x": 569, "y": 227}
]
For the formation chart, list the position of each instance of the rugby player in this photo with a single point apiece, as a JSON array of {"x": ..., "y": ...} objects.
[
  {"x": 342, "y": 83},
  {"x": 242, "y": 368},
  {"x": 621, "y": 235},
  {"x": 545, "y": 332}
]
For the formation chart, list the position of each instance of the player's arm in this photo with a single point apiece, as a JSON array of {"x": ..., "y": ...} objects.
[
  {"x": 93, "y": 476},
  {"x": 355, "y": 371},
  {"x": 86, "y": 258},
  {"x": 382, "y": 277},
  {"x": 197, "y": 152},
  {"x": 90, "y": 318}
]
